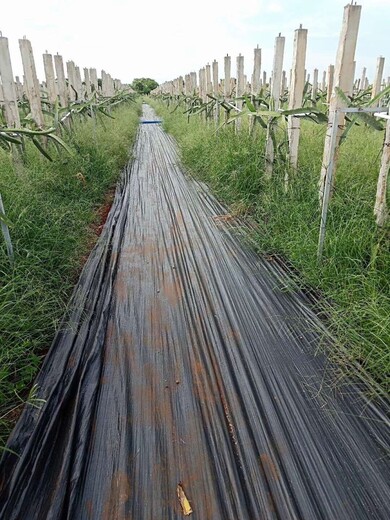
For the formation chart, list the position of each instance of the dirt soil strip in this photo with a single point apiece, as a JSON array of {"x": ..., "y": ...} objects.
[{"x": 184, "y": 380}]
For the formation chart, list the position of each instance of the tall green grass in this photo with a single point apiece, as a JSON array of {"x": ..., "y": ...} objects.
[
  {"x": 354, "y": 277},
  {"x": 53, "y": 208}
]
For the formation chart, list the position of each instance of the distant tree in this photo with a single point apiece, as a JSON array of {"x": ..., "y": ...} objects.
[{"x": 144, "y": 85}]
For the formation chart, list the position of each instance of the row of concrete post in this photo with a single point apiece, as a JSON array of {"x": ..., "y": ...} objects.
[
  {"x": 64, "y": 87},
  {"x": 340, "y": 75},
  {"x": 208, "y": 81}
]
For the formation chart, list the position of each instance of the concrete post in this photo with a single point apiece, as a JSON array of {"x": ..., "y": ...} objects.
[
  {"x": 233, "y": 87},
  {"x": 181, "y": 84},
  {"x": 363, "y": 78},
  {"x": 256, "y": 72},
  {"x": 106, "y": 84},
  {"x": 194, "y": 83},
  {"x": 351, "y": 89},
  {"x": 315, "y": 85},
  {"x": 227, "y": 70},
  {"x": 216, "y": 90},
  {"x": 323, "y": 83},
  {"x": 79, "y": 84},
  {"x": 24, "y": 86},
  {"x": 9, "y": 95},
  {"x": 111, "y": 85},
  {"x": 50, "y": 78},
  {"x": 63, "y": 91},
  {"x": 380, "y": 209},
  {"x": 202, "y": 85},
  {"x": 32, "y": 83},
  {"x": 19, "y": 88},
  {"x": 215, "y": 78},
  {"x": 330, "y": 83},
  {"x": 187, "y": 85},
  {"x": 296, "y": 96},
  {"x": 240, "y": 80},
  {"x": 200, "y": 76},
  {"x": 72, "y": 82},
  {"x": 276, "y": 82},
  {"x": 94, "y": 80},
  {"x": 284, "y": 82},
  {"x": 209, "y": 87},
  {"x": 342, "y": 79},
  {"x": 240, "y": 89},
  {"x": 376, "y": 87},
  {"x": 87, "y": 82}
]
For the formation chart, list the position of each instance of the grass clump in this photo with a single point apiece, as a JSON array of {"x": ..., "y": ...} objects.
[
  {"x": 53, "y": 211},
  {"x": 354, "y": 276}
]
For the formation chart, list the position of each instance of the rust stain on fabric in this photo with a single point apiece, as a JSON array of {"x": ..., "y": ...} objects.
[
  {"x": 72, "y": 361},
  {"x": 121, "y": 286},
  {"x": 172, "y": 292},
  {"x": 233, "y": 335},
  {"x": 200, "y": 384},
  {"x": 119, "y": 494},
  {"x": 179, "y": 218},
  {"x": 89, "y": 508},
  {"x": 269, "y": 466},
  {"x": 271, "y": 503},
  {"x": 156, "y": 314}
]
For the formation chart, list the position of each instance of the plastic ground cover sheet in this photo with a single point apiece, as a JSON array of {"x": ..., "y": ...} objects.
[{"x": 186, "y": 379}]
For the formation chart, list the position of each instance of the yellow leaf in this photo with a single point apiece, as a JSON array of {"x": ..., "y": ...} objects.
[{"x": 185, "y": 505}]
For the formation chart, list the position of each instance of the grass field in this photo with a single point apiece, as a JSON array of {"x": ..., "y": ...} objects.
[
  {"x": 54, "y": 209},
  {"x": 354, "y": 277}
]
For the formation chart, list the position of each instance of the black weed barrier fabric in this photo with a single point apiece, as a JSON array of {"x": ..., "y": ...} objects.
[{"x": 187, "y": 380}]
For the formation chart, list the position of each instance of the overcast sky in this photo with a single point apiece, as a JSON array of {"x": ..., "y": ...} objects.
[{"x": 163, "y": 39}]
